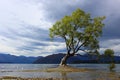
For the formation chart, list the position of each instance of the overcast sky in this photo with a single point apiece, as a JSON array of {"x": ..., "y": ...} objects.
[{"x": 24, "y": 24}]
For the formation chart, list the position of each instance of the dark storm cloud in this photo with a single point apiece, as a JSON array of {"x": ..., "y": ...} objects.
[
  {"x": 56, "y": 9},
  {"x": 37, "y": 34},
  {"x": 30, "y": 32},
  {"x": 112, "y": 29},
  {"x": 33, "y": 45}
]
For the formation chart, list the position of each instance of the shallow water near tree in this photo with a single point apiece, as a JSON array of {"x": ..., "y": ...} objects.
[{"x": 97, "y": 72}]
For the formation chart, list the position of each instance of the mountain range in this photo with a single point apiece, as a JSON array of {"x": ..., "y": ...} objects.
[
  {"x": 56, "y": 58},
  {"x": 7, "y": 58}
]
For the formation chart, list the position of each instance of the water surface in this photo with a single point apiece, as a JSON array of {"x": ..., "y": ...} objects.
[{"x": 99, "y": 71}]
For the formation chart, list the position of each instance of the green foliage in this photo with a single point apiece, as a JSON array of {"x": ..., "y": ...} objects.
[
  {"x": 109, "y": 53},
  {"x": 79, "y": 30}
]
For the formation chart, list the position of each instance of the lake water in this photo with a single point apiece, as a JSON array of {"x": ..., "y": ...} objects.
[{"x": 100, "y": 70}]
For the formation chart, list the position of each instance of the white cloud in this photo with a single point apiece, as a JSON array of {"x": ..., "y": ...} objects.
[
  {"x": 13, "y": 12},
  {"x": 113, "y": 44}
]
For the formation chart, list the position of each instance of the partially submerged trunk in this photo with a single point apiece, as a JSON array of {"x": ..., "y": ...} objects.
[{"x": 64, "y": 59}]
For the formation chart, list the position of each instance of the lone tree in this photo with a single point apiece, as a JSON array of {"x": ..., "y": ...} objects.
[
  {"x": 80, "y": 32},
  {"x": 109, "y": 54}
]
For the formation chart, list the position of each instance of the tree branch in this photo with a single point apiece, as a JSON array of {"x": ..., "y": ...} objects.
[
  {"x": 67, "y": 45},
  {"x": 77, "y": 49},
  {"x": 77, "y": 45},
  {"x": 66, "y": 42}
]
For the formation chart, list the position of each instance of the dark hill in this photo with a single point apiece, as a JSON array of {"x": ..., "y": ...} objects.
[{"x": 56, "y": 58}]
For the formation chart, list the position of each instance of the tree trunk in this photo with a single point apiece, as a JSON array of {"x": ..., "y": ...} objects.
[{"x": 64, "y": 60}]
